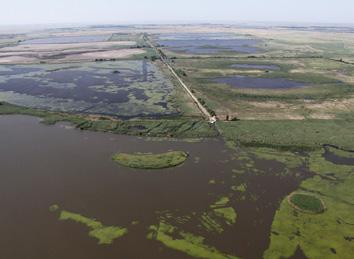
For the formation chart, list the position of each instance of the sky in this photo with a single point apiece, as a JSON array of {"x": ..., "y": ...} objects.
[{"x": 19, "y": 12}]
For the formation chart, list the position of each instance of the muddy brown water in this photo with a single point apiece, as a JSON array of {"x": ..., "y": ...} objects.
[{"x": 44, "y": 165}]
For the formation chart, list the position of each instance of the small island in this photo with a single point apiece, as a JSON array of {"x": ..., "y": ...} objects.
[
  {"x": 151, "y": 161},
  {"x": 306, "y": 203}
]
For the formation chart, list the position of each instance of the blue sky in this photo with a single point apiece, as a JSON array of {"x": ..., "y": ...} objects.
[{"x": 138, "y": 11}]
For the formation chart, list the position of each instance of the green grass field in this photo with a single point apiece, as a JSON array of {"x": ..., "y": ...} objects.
[
  {"x": 306, "y": 203},
  {"x": 328, "y": 234},
  {"x": 290, "y": 134}
]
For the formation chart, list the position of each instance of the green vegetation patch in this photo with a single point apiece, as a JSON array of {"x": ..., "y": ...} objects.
[
  {"x": 290, "y": 159},
  {"x": 151, "y": 161},
  {"x": 185, "y": 242},
  {"x": 341, "y": 153},
  {"x": 105, "y": 234},
  {"x": 240, "y": 188},
  {"x": 227, "y": 213},
  {"x": 210, "y": 223},
  {"x": 324, "y": 235},
  {"x": 221, "y": 209},
  {"x": 171, "y": 128},
  {"x": 290, "y": 135},
  {"x": 307, "y": 203},
  {"x": 222, "y": 201}
]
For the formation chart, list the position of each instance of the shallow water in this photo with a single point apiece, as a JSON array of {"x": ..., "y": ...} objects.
[
  {"x": 110, "y": 88},
  {"x": 67, "y": 39},
  {"x": 335, "y": 159},
  {"x": 208, "y": 43},
  {"x": 43, "y": 165},
  {"x": 258, "y": 83}
]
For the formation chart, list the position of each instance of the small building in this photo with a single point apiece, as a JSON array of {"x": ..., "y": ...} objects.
[{"x": 212, "y": 120}]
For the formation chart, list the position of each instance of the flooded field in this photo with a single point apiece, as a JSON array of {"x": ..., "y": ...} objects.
[
  {"x": 67, "y": 39},
  {"x": 208, "y": 43},
  {"x": 258, "y": 83},
  {"x": 219, "y": 202},
  {"x": 123, "y": 88}
]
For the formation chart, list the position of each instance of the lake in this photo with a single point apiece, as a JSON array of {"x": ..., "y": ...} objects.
[
  {"x": 45, "y": 165},
  {"x": 208, "y": 43}
]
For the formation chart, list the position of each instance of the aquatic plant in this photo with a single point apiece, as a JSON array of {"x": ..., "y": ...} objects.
[
  {"x": 151, "y": 161},
  {"x": 185, "y": 242},
  {"x": 105, "y": 234}
]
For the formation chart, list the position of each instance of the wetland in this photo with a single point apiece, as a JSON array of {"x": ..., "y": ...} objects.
[
  {"x": 90, "y": 184},
  {"x": 105, "y": 155}
]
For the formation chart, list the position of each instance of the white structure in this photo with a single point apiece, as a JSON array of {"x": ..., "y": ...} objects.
[{"x": 212, "y": 120}]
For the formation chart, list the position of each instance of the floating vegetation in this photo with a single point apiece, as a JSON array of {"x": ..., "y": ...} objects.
[
  {"x": 212, "y": 181},
  {"x": 239, "y": 188},
  {"x": 221, "y": 209},
  {"x": 290, "y": 159},
  {"x": 227, "y": 213},
  {"x": 210, "y": 224},
  {"x": 151, "y": 161},
  {"x": 105, "y": 234},
  {"x": 53, "y": 207},
  {"x": 220, "y": 202},
  {"x": 220, "y": 215},
  {"x": 185, "y": 242},
  {"x": 122, "y": 88}
]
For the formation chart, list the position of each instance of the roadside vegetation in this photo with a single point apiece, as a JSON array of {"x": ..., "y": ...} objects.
[{"x": 151, "y": 161}]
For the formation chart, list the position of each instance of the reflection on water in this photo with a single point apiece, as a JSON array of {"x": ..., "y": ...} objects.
[{"x": 208, "y": 43}]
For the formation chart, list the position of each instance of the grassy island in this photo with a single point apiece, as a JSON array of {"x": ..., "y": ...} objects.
[
  {"x": 306, "y": 203},
  {"x": 151, "y": 161}
]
